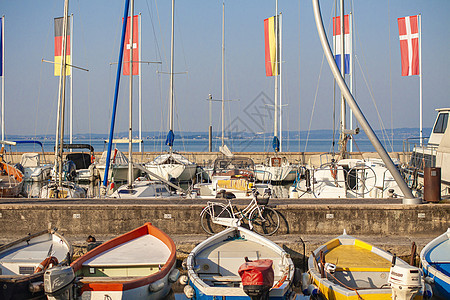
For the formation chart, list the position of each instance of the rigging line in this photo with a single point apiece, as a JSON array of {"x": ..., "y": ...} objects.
[
  {"x": 150, "y": 12},
  {"x": 390, "y": 73},
  {"x": 380, "y": 120},
  {"x": 160, "y": 32},
  {"x": 316, "y": 93}
]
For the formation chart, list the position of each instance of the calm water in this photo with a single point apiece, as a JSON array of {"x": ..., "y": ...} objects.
[{"x": 235, "y": 145}]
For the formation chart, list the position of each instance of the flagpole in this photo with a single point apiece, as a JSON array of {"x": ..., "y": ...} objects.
[
  {"x": 420, "y": 79},
  {"x": 350, "y": 27},
  {"x": 223, "y": 73},
  {"x": 281, "y": 106},
  {"x": 71, "y": 81},
  {"x": 130, "y": 113},
  {"x": 3, "y": 78},
  {"x": 275, "y": 127},
  {"x": 140, "y": 81}
]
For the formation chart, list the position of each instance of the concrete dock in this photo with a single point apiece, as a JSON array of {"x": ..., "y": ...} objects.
[{"x": 387, "y": 224}]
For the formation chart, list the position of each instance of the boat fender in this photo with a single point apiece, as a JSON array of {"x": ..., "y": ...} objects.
[
  {"x": 305, "y": 283},
  {"x": 331, "y": 268},
  {"x": 184, "y": 264},
  {"x": 189, "y": 291},
  {"x": 51, "y": 260},
  {"x": 156, "y": 286},
  {"x": 183, "y": 279},
  {"x": 173, "y": 276},
  {"x": 429, "y": 280},
  {"x": 312, "y": 290},
  {"x": 428, "y": 293}
]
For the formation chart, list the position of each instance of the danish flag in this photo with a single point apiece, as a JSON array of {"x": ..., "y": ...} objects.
[{"x": 409, "y": 45}]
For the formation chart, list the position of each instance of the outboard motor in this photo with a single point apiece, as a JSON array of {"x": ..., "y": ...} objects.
[
  {"x": 257, "y": 278},
  {"x": 405, "y": 281},
  {"x": 58, "y": 283}
]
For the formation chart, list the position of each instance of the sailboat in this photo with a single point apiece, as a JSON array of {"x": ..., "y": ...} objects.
[
  {"x": 343, "y": 176},
  {"x": 62, "y": 187},
  {"x": 172, "y": 165},
  {"x": 142, "y": 187},
  {"x": 275, "y": 168}
]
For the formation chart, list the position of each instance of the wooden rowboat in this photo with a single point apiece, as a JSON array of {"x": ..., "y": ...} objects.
[
  {"x": 435, "y": 257},
  {"x": 139, "y": 264},
  {"x": 354, "y": 269},
  {"x": 214, "y": 266}
]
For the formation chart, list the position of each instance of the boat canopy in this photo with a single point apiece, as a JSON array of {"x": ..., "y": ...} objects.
[
  {"x": 78, "y": 146},
  {"x": 171, "y": 158},
  {"x": 119, "y": 158},
  {"x": 29, "y": 142},
  {"x": 234, "y": 163}
]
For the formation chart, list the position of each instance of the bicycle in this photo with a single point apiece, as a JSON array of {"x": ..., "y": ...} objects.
[{"x": 261, "y": 218}]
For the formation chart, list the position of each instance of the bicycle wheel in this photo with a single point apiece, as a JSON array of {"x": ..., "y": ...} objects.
[
  {"x": 267, "y": 222},
  {"x": 217, "y": 210}
]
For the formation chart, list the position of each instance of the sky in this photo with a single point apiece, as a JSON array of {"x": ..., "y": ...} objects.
[{"x": 386, "y": 98}]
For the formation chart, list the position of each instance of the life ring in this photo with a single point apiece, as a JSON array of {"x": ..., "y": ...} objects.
[{"x": 51, "y": 260}]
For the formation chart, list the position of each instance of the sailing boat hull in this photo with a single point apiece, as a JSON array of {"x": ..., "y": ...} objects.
[{"x": 176, "y": 171}]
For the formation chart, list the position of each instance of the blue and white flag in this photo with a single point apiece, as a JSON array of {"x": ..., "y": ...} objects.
[{"x": 347, "y": 41}]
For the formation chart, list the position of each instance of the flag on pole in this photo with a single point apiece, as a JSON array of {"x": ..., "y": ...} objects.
[
  {"x": 59, "y": 27},
  {"x": 347, "y": 41},
  {"x": 127, "y": 48},
  {"x": 1, "y": 46},
  {"x": 408, "y": 29},
  {"x": 271, "y": 39}
]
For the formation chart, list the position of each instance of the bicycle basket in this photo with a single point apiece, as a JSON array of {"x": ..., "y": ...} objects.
[{"x": 262, "y": 200}]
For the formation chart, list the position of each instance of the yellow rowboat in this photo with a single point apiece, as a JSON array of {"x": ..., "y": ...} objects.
[{"x": 353, "y": 269}]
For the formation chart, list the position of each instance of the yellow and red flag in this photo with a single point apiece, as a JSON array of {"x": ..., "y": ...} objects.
[
  {"x": 127, "y": 48},
  {"x": 59, "y": 25},
  {"x": 271, "y": 38}
]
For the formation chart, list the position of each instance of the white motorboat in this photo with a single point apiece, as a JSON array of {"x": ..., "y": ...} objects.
[{"x": 118, "y": 170}]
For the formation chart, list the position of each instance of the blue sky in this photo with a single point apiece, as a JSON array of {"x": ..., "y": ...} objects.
[{"x": 31, "y": 89}]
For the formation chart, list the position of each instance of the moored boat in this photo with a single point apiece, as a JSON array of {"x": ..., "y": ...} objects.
[
  {"x": 23, "y": 262},
  {"x": 11, "y": 179},
  {"x": 139, "y": 264},
  {"x": 435, "y": 258},
  {"x": 216, "y": 267},
  {"x": 349, "y": 268}
]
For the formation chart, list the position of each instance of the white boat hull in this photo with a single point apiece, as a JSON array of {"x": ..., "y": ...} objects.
[{"x": 177, "y": 171}]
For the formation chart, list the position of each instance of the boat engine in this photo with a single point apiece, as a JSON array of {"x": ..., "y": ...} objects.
[
  {"x": 58, "y": 283},
  {"x": 405, "y": 281},
  {"x": 257, "y": 278}
]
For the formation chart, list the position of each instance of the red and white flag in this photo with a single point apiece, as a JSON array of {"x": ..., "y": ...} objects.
[
  {"x": 127, "y": 48},
  {"x": 408, "y": 28}
]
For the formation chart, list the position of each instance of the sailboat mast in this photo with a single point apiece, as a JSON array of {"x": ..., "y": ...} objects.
[
  {"x": 343, "y": 108},
  {"x": 62, "y": 92},
  {"x": 3, "y": 77},
  {"x": 171, "y": 73},
  {"x": 71, "y": 84},
  {"x": 130, "y": 113},
  {"x": 275, "y": 125},
  {"x": 223, "y": 73}
]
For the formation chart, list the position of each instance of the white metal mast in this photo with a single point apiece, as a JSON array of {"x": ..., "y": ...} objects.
[
  {"x": 71, "y": 82},
  {"x": 275, "y": 126},
  {"x": 223, "y": 73},
  {"x": 420, "y": 78},
  {"x": 140, "y": 81},
  {"x": 343, "y": 108},
  {"x": 130, "y": 114},
  {"x": 281, "y": 104},
  {"x": 3, "y": 78},
  {"x": 171, "y": 73}
]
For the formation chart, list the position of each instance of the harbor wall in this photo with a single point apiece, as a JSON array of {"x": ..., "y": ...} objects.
[
  {"x": 377, "y": 220},
  {"x": 205, "y": 158}
]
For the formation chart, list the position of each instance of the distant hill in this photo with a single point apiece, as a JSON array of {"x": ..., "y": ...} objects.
[{"x": 398, "y": 134}]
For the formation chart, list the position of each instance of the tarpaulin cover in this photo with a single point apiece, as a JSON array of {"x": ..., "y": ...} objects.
[{"x": 257, "y": 272}]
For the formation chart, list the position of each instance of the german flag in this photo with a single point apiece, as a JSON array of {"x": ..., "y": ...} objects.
[
  {"x": 59, "y": 25},
  {"x": 271, "y": 39}
]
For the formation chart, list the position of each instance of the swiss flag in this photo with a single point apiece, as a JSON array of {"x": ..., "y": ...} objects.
[
  {"x": 128, "y": 47},
  {"x": 408, "y": 29}
]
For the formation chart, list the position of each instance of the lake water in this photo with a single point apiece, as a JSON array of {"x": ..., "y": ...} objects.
[{"x": 235, "y": 145}]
